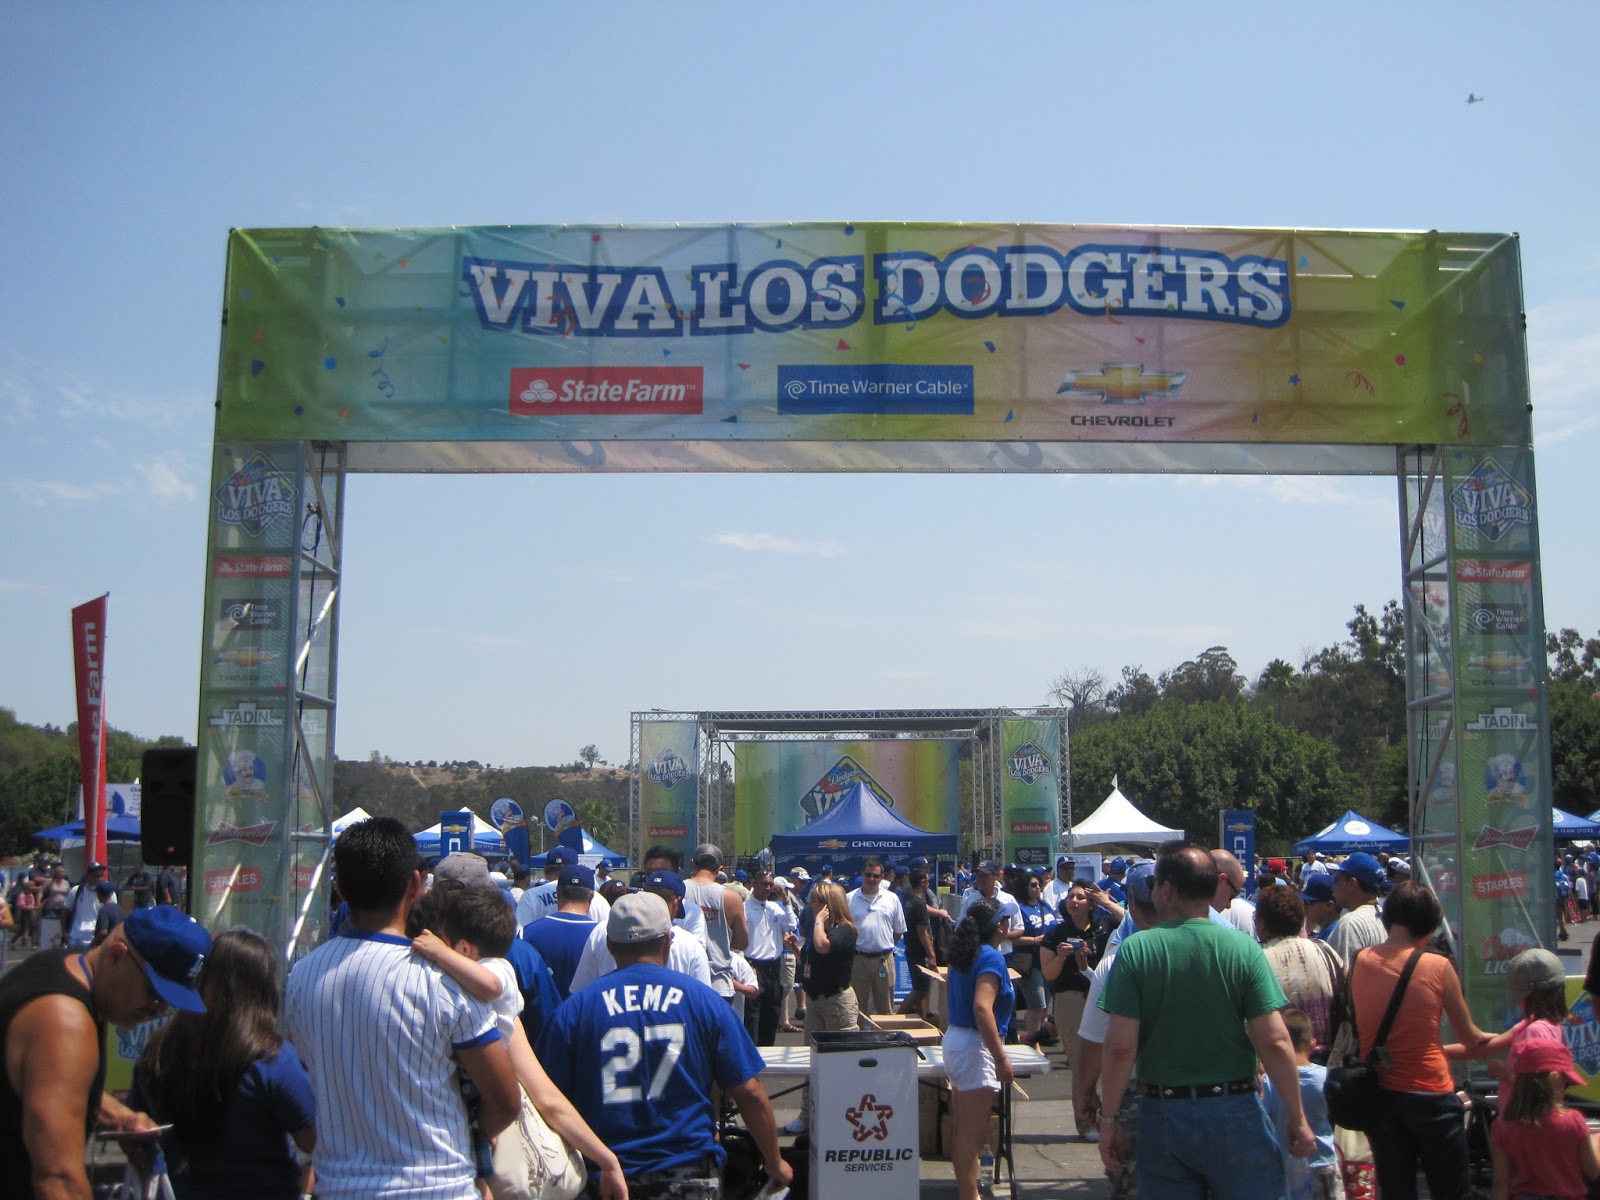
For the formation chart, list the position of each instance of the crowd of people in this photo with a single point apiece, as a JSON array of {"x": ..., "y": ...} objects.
[{"x": 447, "y": 1012}]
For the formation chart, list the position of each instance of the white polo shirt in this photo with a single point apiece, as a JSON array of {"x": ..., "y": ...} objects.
[{"x": 880, "y": 920}]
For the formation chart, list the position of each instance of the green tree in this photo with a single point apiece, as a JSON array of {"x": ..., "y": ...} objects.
[
  {"x": 1185, "y": 763},
  {"x": 1575, "y": 746},
  {"x": 590, "y": 754},
  {"x": 1574, "y": 659},
  {"x": 1214, "y": 675},
  {"x": 1137, "y": 693}
]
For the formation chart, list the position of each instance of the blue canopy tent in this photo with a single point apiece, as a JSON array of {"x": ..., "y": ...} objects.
[
  {"x": 1353, "y": 832},
  {"x": 1566, "y": 826},
  {"x": 119, "y": 828},
  {"x": 590, "y": 852},
  {"x": 859, "y": 826},
  {"x": 486, "y": 840}
]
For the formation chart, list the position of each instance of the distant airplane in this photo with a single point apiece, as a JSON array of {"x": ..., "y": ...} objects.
[{"x": 1471, "y": 99}]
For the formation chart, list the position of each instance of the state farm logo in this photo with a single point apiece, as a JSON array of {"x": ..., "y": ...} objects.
[
  {"x": 668, "y": 768},
  {"x": 233, "y": 879},
  {"x": 605, "y": 391},
  {"x": 1477, "y": 570},
  {"x": 1492, "y": 887},
  {"x": 254, "y": 835},
  {"x": 250, "y": 566},
  {"x": 1027, "y": 763},
  {"x": 1030, "y": 827}
]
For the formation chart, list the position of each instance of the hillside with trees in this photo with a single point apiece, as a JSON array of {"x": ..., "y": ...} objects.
[{"x": 1298, "y": 744}]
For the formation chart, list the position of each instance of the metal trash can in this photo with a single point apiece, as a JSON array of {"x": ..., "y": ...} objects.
[{"x": 864, "y": 1115}]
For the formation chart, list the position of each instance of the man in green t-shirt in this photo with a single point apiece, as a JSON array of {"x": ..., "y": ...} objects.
[{"x": 1196, "y": 1003}]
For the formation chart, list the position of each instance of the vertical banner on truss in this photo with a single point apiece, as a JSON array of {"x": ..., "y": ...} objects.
[
  {"x": 245, "y": 789},
  {"x": 1501, "y": 715},
  {"x": 1030, "y": 788},
  {"x": 668, "y": 754},
  {"x": 784, "y": 785}
]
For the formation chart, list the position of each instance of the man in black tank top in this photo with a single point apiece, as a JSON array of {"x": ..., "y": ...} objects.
[{"x": 53, "y": 1012}]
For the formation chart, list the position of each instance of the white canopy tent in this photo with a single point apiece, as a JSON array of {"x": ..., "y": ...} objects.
[{"x": 1118, "y": 823}]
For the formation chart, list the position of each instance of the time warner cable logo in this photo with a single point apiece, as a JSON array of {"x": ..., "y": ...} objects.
[{"x": 876, "y": 389}]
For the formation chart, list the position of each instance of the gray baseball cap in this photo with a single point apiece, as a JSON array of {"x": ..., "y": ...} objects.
[
  {"x": 1534, "y": 969},
  {"x": 638, "y": 917},
  {"x": 465, "y": 868}
]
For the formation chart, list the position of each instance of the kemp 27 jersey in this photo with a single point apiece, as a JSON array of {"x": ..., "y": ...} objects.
[{"x": 636, "y": 1052}]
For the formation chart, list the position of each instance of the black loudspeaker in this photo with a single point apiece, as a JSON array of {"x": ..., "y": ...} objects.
[{"x": 166, "y": 805}]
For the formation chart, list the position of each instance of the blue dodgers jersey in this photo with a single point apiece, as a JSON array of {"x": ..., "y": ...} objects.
[
  {"x": 636, "y": 1052},
  {"x": 964, "y": 984}
]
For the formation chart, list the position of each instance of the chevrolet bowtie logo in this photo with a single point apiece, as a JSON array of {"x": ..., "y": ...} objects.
[{"x": 1121, "y": 383}]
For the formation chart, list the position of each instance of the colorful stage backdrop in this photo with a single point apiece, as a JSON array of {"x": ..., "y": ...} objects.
[{"x": 782, "y": 785}]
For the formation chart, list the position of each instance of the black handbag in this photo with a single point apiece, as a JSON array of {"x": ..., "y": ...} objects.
[{"x": 1351, "y": 1090}]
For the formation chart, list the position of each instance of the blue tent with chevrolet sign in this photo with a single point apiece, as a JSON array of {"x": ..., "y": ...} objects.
[
  {"x": 1353, "y": 832},
  {"x": 859, "y": 826}
]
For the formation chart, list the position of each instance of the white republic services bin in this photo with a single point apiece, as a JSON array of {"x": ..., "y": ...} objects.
[{"x": 864, "y": 1115}]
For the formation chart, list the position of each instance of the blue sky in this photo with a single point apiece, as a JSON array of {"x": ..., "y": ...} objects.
[{"x": 513, "y": 619}]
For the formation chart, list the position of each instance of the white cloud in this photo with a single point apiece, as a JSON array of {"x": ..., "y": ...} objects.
[
  {"x": 772, "y": 543},
  {"x": 1563, "y": 347},
  {"x": 40, "y": 492},
  {"x": 163, "y": 477}
]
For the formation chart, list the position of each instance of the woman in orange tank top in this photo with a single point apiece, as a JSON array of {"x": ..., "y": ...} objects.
[{"x": 1421, "y": 1117}]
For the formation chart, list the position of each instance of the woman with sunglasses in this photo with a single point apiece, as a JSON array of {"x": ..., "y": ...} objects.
[
  {"x": 1036, "y": 921},
  {"x": 232, "y": 1089}
]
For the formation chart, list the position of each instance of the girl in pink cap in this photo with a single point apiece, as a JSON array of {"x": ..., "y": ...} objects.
[{"x": 1541, "y": 1147}]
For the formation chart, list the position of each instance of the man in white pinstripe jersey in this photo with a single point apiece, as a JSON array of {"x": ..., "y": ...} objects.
[{"x": 380, "y": 1031}]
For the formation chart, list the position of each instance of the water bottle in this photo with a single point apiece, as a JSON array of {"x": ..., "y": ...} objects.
[{"x": 986, "y": 1171}]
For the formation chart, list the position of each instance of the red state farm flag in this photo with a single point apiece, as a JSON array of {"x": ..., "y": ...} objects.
[{"x": 88, "y": 661}]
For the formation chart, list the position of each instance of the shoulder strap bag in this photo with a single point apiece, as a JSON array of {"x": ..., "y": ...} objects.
[{"x": 1351, "y": 1089}]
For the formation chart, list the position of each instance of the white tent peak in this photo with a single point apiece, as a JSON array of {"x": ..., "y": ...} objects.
[{"x": 1118, "y": 823}]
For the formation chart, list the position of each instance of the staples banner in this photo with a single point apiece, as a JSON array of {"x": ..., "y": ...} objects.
[{"x": 88, "y": 662}]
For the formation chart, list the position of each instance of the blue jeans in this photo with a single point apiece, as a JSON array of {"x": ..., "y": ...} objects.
[
  {"x": 1426, "y": 1129},
  {"x": 1222, "y": 1147}
]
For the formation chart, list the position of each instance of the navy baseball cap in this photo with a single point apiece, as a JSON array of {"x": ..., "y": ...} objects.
[
  {"x": 988, "y": 867},
  {"x": 1317, "y": 889},
  {"x": 1364, "y": 869},
  {"x": 576, "y": 875},
  {"x": 174, "y": 947},
  {"x": 105, "y": 889},
  {"x": 670, "y": 880},
  {"x": 826, "y": 867},
  {"x": 1116, "y": 864},
  {"x": 561, "y": 856},
  {"x": 1063, "y": 860},
  {"x": 919, "y": 861},
  {"x": 1141, "y": 882}
]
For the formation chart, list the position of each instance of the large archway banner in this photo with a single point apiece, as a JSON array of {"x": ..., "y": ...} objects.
[{"x": 738, "y": 346}]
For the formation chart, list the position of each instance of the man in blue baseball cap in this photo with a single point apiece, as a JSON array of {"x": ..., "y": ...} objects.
[
  {"x": 1357, "y": 881},
  {"x": 1322, "y": 910},
  {"x": 1116, "y": 871},
  {"x": 53, "y": 1008},
  {"x": 539, "y": 902},
  {"x": 687, "y": 952},
  {"x": 561, "y": 936}
]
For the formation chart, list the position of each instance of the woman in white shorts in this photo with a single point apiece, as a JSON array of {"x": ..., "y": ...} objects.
[{"x": 981, "y": 1002}]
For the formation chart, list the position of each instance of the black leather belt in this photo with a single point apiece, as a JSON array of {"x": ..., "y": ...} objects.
[
  {"x": 873, "y": 953},
  {"x": 1200, "y": 1091}
]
